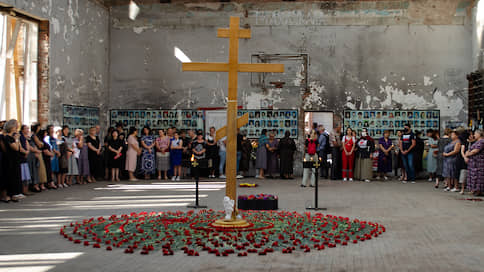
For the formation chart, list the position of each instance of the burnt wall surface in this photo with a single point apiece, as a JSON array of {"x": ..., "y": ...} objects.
[
  {"x": 362, "y": 54},
  {"x": 78, "y": 52}
]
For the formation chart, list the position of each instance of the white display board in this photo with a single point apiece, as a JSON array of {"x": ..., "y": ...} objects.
[
  {"x": 215, "y": 118},
  {"x": 319, "y": 117}
]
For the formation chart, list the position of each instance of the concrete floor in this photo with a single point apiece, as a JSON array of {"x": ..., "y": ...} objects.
[{"x": 427, "y": 229}]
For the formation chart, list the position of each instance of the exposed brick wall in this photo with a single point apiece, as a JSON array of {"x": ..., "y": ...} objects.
[{"x": 43, "y": 73}]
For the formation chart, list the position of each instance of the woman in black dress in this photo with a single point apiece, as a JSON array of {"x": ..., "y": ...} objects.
[
  {"x": 115, "y": 148},
  {"x": 287, "y": 147},
  {"x": 245, "y": 158},
  {"x": 11, "y": 140},
  {"x": 94, "y": 154},
  {"x": 212, "y": 152},
  {"x": 3, "y": 179},
  {"x": 418, "y": 155},
  {"x": 106, "y": 154}
]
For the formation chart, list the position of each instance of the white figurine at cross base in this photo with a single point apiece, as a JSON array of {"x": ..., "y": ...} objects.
[{"x": 228, "y": 207}]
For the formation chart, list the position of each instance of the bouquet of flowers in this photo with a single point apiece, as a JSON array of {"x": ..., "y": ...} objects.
[
  {"x": 253, "y": 153},
  {"x": 248, "y": 185}
]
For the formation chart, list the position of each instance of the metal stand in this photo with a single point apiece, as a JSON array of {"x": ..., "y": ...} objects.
[
  {"x": 316, "y": 208},
  {"x": 197, "y": 179}
]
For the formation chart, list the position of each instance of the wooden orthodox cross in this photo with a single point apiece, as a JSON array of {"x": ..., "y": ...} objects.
[{"x": 234, "y": 33}]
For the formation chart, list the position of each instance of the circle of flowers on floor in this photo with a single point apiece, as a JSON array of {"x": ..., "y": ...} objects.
[{"x": 192, "y": 232}]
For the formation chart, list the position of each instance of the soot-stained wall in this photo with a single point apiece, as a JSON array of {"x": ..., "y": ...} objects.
[{"x": 363, "y": 55}]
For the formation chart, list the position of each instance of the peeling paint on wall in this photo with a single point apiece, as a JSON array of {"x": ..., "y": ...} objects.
[
  {"x": 448, "y": 105},
  {"x": 315, "y": 97},
  {"x": 273, "y": 94}
]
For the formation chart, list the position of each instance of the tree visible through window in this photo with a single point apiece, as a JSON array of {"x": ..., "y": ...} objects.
[{"x": 18, "y": 69}]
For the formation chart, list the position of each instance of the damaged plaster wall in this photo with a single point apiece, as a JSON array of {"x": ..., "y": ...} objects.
[
  {"x": 79, "y": 45},
  {"x": 363, "y": 54}
]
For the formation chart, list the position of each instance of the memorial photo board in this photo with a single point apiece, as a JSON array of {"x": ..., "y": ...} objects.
[
  {"x": 80, "y": 117},
  {"x": 377, "y": 121},
  {"x": 158, "y": 119},
  {"x": 277, "y": 121}
]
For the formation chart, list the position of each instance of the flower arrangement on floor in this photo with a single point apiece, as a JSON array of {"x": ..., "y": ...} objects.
[
  {"x": 192, "y": 233},
  {"x": 258, "y": 197},
  {"x": 248, "y": 185},
  {"x": 257, "y": 202}
]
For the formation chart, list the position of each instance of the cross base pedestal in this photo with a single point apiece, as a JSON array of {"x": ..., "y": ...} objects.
[{"x": 237, "y": 223}]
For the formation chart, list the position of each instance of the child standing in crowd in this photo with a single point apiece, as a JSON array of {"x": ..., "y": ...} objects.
[
  {"x": 176, "y": 149},
  {"x": 310, "y": 149},
  {"x": 348, "y": 155}
]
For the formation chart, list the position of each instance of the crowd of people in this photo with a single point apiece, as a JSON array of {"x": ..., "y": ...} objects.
[
  {"x": 456, "y": 159},
  {"x": 34, "y": 159}
]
